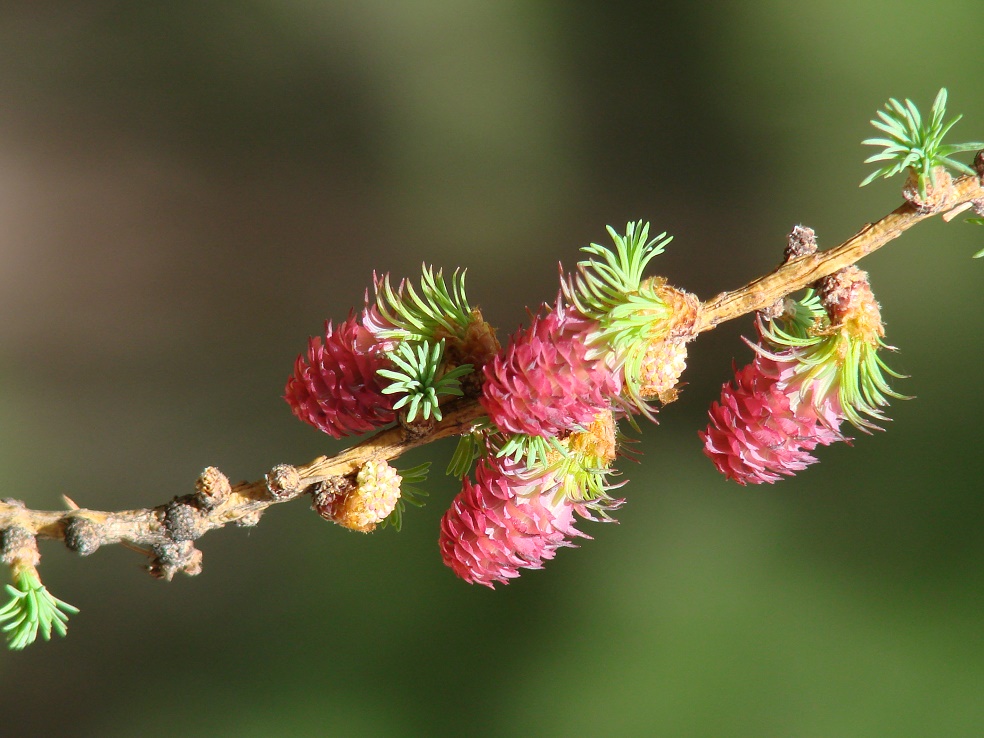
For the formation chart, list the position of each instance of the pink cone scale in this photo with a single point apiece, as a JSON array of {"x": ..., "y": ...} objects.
[
  {"x": 335, "y": 387},
  {"x": 491, "y": 532},
  {"x": 544, "y": 384},
  {"x": 378, "y": 328}
]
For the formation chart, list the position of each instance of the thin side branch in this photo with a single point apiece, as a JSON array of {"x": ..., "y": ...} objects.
[
  {"x": 805, "y": 270},
  {"x": 244, "y": 501}
]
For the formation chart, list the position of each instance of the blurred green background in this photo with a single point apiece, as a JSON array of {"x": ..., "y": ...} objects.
[{"x": 187, "y": 190}]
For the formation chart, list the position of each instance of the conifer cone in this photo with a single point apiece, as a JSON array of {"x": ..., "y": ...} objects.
[
  {"x": 766, "y": 424},
  {"x": 544, "y": 384},
  {"x": 335, "y": 387},
  {"x": 491, "y": 532}
]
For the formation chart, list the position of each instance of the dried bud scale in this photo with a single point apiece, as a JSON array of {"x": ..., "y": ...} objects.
[
  {"x": 326, "y": 495},
  {"x": 683, "y": 311},
  {"x": 480, "y": 343},
  {"x": 476, "y": 345},
  {"x": 419, "y": 427},
  {"x": 850, "y": 304},
  {"x": 939, "y": 193},
  {"x": 774, "y": 311},
  {"x": 598, "y": 441},
  {"x": 249, "y": 519}
]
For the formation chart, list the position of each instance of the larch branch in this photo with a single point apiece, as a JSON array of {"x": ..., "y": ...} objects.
[{"x": 243, "y": 503}]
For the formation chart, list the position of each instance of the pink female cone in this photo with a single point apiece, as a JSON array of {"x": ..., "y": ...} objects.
[
  {"x": 335, "y": 387},
  {"x": 491, "y": 532},
  {"x": 544, "y": 383},
  {"x": 764, "y": 428}
]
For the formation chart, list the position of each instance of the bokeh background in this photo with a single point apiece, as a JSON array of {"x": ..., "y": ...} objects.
[{"x": 187, "y": 190}]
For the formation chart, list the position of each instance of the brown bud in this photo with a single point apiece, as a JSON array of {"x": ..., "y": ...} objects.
[
  {"x": 81, "y": 535},
  {"x": 19, "y": 547},
  {"x": 172, "y": 558},
  {"x": 775, "y": 310},
  {"x": 283, "y": 482},
  {"x": 800, "y": 242},
  {"x": 418, "y": 427},
  {"x": 182, "y": 521},
  {"x": 213, "y": 488}
]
